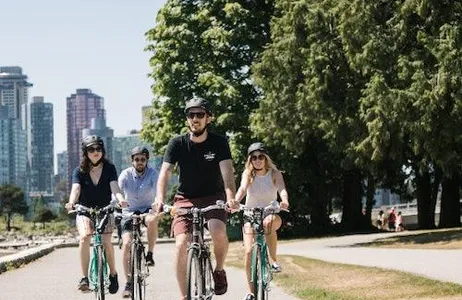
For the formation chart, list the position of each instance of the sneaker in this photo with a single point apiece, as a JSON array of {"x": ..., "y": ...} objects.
[
  {"x": 221, "y": 284},
  {"x": 249, "y": 297},
  {"x": 84, "y": 285},
  {"x": 149, "y": 260},
  {"x": 275, "y": 267},
  {"x": 113, "y": 284},
  {"x": 127, "y": 293}
]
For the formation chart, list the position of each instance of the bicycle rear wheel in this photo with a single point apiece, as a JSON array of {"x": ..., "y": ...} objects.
[
  {"x": 194, "y": 279},
  {"x": 100, "y": 289},
  {"x": 258, "y": 274}
]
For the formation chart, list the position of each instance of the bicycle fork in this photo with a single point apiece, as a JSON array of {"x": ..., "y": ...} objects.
[
  {"x": 266, "y": 275},
  {"x": 93, "y": 272}
]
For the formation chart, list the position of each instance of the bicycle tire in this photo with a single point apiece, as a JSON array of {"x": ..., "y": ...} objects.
[
  {"x": 100, "y": 290},
  {"x": 258, "y": 274},
  {"x": 133, "y": 270},
  {"x": 140, "y": 285},
  {"x": 194, "y": 279},
  {"x": 208, "y": 281}
]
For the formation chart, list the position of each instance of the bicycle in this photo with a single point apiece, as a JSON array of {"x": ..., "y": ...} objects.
[
  {"x": 99, "y": 269},
  {"x": 139, "y": 269},
  {"x": 261, "y": 274},
  {"x": 199, "y": 266}
]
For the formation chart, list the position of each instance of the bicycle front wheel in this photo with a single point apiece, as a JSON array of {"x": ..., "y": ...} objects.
[
  {"x": 100, "y": 289},
  {"x": 139, "y": 289},
  {"x": 208, "y": 282},
  {"x": 258, "y": 276},
  {"x": 194, "y": 279}
]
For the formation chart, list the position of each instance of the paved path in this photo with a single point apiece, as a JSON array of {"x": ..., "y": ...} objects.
[
  {"x": 443, "y": 265},
  {"x": 55, "y": 276}
]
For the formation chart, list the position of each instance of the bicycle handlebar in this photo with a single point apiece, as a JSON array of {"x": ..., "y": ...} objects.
[
  {"x": 82, "y": 208},
  {"x": 137, "y": 215},
  {"x": 274, "y": 207},
  {"x": 179, "y": 211}
]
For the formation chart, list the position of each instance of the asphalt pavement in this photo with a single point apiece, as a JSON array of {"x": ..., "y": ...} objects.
[{"x": 55, "y": 276}]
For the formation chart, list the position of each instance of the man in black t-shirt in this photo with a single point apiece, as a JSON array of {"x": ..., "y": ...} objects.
[{"x": 205, "y": 175}]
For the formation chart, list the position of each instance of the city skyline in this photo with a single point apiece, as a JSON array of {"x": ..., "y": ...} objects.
[{"x": 63, "y": 47}]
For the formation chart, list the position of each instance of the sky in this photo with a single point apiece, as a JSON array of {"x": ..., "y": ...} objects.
[{"x": 67, "y": 45}]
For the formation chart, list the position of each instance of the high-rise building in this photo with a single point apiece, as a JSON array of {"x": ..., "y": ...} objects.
[
  {"x": 98, "y": 127},
  {"x": 14, "y": 93},
  {"x": 62, "y": 166},
  {"x": 13, "y": 129},
  {"x": 81, "y": 108},
  {"x": 13, "y": 151},
  {"x": 41, "y": 146}
]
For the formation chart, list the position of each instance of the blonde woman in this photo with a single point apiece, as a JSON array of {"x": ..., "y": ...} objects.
[{"x": 261, "y": 182}]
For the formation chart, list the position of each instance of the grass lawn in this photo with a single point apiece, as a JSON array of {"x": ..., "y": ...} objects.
[
  {"x": 314, "y": 279},
  {"x": 423, "y": 239}
]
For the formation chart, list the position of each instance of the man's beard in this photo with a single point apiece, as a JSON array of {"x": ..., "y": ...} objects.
[
  {"x": 140, "y": 169},
  {"x": 199, "y": 132}
]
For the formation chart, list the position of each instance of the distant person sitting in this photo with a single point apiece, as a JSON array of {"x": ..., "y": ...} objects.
[
  {"x": 391, "y": 219},
  {"x": 399, "y": 226}
]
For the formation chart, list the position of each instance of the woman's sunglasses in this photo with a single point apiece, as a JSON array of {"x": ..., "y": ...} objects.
[
  {"x": 93, "y": 149},
  {"x": 259, "y": 157},
  {"x": 199, "y": 115}
]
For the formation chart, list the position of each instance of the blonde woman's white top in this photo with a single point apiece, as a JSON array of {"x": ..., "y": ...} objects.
[{"x": 262, "y": 191}]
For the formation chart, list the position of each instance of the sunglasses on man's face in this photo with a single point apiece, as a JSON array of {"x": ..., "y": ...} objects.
[
  {"x": 93, "y": 149},
  {"x": 199, "y": 115},
  {"x": 141, "y": 159},
  {"x": 259, "y": 157}
]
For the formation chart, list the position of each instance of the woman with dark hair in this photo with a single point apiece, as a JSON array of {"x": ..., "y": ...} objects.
[
  {"x": 93, "y": 183},
  {"x": 261, "y": 183}
]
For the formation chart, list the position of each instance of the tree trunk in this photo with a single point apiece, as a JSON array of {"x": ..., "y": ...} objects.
[
  {"x": 450, "y": 203},
  {"x": 319, "y": 217},
  {"x": 8, "y": 221},
  {"x": 352, "y": 218},
  {"x": 370, "y": 190},
  {"x": 425, "y": 211}
]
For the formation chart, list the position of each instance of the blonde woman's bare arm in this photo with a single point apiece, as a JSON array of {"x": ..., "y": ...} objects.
[{"x": 282, "y": 190}]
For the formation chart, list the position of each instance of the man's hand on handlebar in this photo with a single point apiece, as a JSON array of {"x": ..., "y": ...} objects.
[
  {"x": 69, "y": 206},
  {"x": 123, "y": 204},
  {"x": 233, "y": 205}
]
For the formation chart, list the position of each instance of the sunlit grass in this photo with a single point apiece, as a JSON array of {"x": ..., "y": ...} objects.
[{"x": 314, "y": 279}]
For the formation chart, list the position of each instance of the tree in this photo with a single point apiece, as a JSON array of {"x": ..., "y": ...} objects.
[
  {"x": 11, "y": 202},
  {"x": 41, "y": 212},
  {"x": 410, "y": 51},
  {"x": 206, "y": 48},
  {"x": 310, "y": 106}
]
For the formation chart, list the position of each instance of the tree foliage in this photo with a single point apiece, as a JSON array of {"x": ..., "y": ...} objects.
[
  {"x": 11, "y": 202},
  {"x": 206, "y": 48},
  {"x": 349, "y": 95}
]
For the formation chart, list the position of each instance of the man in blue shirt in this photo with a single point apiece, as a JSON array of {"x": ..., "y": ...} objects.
[{"x": 138, "y": 184}]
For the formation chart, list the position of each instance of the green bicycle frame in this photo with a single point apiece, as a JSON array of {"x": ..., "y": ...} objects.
[
  {"x": 260, "y": 244},
  {"x": 94, "y": 268}
]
